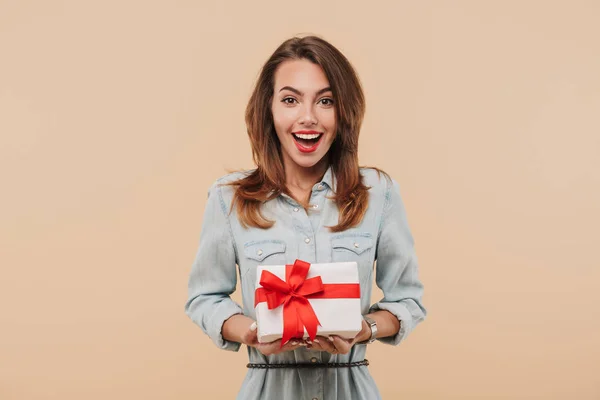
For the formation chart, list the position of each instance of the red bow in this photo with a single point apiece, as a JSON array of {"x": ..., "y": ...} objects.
[{"x": 294, "y": 293}]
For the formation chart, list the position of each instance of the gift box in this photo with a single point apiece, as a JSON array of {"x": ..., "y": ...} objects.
[{"x": 304, "y": 300}]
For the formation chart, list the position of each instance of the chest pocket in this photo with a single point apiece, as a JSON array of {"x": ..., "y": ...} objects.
[
  {"x": 262, "y": 252},
  {"x": 354, "y": 247},
  {"x": 351, "y": 245}
]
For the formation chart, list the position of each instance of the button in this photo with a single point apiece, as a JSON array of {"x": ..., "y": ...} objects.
[
  {"x": 295, "y": 209},
  {"x": 307, "y": 240},
  {"x": 355, "y": 244},
  {"x": 259, "y": 252},
  {"x": 320, "y": 187},
  {"x": 315, "y": 206},
  {"x": 313, "y": 360}
]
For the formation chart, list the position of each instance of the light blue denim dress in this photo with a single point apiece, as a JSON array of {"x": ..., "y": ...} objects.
[{"x": 383, "y": 235}]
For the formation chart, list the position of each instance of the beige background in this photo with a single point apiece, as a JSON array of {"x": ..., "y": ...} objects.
[{"x": 116, "y": 116}]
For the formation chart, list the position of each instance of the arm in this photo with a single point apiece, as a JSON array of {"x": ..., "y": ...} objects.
[
  {"x": 397, "y": 272},
  {"x": 213, "y": 275},
  {"x": 400, "y": 310},
  {"x": 387, "y": 325}
]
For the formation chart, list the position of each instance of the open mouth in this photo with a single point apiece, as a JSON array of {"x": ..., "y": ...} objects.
[{"x": 307, "y": 141}]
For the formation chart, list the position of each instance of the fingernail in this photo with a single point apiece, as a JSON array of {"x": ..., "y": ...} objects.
[
  {"x": 330, "y": 338},
  {"x": 253, "y": 326},
  {"x": 294, "y": 343},
  {"x": 308, "y": 341},
  {"x": 316, "y": 340}
]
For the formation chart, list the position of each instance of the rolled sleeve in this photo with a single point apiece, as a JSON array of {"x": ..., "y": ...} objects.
[
  {"x": 213, "y": 275},
  {"x": 397, "y": 268}
]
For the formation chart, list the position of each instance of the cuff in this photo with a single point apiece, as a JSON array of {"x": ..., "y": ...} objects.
[
  {"x": 403, "y": 314},
  {"x": 223, "y": 312}
]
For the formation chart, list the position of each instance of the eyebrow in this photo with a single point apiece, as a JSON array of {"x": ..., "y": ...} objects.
[{"x": 299, "y": 93}]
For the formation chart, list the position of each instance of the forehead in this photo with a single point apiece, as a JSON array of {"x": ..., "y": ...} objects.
[{"x": 300, "y": 74}]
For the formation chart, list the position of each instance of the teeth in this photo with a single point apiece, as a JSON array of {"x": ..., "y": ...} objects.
[{"x": 307, "y": 136}]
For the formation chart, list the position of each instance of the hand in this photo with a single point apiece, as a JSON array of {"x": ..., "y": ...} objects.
[
  {"x": 250, "y": 338},
  {"x": 337, "y": 345}
]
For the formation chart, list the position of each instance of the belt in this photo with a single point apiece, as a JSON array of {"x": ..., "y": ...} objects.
[{"x": 309, "y": 365}]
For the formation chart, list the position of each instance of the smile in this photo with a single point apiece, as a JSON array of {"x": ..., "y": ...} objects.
[{"x": 307, "y": 141}]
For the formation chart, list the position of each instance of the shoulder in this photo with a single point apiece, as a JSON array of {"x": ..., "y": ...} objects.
[
  {"x": 379, "y": 181},
  {"x": 232, "y": 177},
  {"x": 384, "y": 190},
  {"x": 222, "y": 185}
]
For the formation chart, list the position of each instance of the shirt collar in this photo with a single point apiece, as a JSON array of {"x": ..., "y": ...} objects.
[{"x": 329, "y": 177}]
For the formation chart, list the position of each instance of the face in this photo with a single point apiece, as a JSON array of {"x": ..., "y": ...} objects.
[{"x": 303, "y": 113}]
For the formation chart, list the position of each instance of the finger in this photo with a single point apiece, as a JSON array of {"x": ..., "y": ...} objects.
[
  {"x": 314, "y": 345},
  {"x": 275, "y": 346},
  {"x": 298, "y": 343},
  {"x": 324, "y": 344},
  {"x": 365, "y": 328},
  {"x": 269, "y": 348},
  {"x": 251, "y": 335},
  {"x": 293, "y": 344},
  {"x": 342, "y": 346},
  {"x": 331, "y": 340}
]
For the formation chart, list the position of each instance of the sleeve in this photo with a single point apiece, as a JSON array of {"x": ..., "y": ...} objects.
[
  {"x": 397, "y": 268},
  {"x": 213, "y": 274}
]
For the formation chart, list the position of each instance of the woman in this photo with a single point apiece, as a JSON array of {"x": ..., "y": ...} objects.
[{"x": 307, "y": 199}]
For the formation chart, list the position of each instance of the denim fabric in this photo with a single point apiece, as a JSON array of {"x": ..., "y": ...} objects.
[{"x": 383, "y": 236}]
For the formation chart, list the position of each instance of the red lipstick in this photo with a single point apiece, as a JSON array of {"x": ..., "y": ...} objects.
[{"x": 307, "y": 149}]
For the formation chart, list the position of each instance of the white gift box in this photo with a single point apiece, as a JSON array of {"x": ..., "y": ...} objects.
[{"x": 338, "y": 316}]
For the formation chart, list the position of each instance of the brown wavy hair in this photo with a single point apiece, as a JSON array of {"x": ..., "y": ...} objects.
[{"x": 267, "y": 181}]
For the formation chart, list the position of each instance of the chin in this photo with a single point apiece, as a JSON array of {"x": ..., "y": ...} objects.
[{"x": 308, "y": 162}]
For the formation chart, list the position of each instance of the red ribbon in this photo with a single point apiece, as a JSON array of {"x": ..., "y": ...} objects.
[{"x": 294, "y": 293}]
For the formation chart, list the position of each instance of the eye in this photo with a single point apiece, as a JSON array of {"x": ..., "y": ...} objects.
[
  {"x": 285, "y": 101},
  {"x": 328, "y": 101}
]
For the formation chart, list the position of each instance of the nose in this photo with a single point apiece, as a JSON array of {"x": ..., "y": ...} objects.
[{"x": 308, "y": 116}]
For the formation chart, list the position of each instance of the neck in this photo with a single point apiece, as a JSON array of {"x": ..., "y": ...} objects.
[{"x": 304, "y": 178}]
